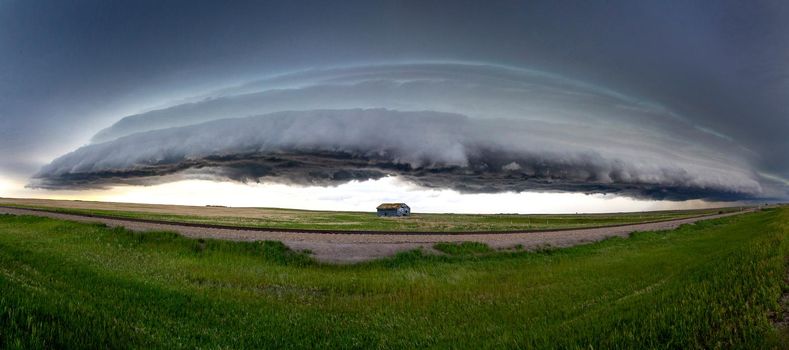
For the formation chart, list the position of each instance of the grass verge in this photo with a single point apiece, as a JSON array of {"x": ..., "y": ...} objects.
[{"x": 707, "y": 285}]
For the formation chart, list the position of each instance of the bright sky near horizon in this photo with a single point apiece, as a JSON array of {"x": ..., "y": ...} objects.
[{"x": 362, "y": 196}]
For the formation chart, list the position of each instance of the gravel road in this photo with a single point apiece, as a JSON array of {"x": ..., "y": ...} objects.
[{"x": 350, "y": 248}]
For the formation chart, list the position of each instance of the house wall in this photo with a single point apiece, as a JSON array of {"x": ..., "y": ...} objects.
[
  {"x": 402, "y": 211},
  {"x": 388, "y": 213}
]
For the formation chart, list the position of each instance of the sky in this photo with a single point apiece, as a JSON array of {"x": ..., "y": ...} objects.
[{"x": 461, "y": 106}]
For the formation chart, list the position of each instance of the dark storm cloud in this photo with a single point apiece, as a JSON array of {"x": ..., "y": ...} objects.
[
  {"x": 690, "y": 76},
  {"x": 432, "y": 149},
  {"x": 476, "y": 90}
]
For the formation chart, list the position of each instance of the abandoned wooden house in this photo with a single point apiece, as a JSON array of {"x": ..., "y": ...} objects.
[{"x": 393, "y": 209}]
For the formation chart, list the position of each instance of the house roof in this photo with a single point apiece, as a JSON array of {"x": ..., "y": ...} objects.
[{"x": 390, "y": 206}]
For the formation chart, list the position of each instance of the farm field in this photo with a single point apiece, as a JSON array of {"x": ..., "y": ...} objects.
[
  {"x": 713, "y": 284},
  {"x": 349, "y": 221}
]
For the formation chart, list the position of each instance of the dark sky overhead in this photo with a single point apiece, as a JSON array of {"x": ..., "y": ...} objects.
[{"x": 664, "y": 100}]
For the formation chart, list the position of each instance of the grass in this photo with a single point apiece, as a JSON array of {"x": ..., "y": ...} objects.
[
  {"x": 462, "y": 249},
  {"x": 707, "y": 285},
  {"x": 368, "y": 221}
]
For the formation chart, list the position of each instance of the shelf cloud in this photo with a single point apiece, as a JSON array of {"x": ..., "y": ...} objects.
[
  {"x": 430, "y": 148},
  {"x": 649, "y": 99}
]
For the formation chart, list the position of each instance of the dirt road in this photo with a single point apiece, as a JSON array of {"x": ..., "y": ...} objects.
[{"x": 350, "y": 248}]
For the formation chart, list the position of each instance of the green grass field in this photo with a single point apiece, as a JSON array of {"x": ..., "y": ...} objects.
[
  {"x": 707, "y": 285},
  {"x": 368, "y": 221}
]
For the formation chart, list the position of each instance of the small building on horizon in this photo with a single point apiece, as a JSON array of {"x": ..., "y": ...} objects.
[{"x": 393, "y": 209}]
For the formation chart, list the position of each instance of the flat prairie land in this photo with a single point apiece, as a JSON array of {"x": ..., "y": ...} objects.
[
  {"x": 717, "y": 283},
  {"x": 350, "y": 221}
]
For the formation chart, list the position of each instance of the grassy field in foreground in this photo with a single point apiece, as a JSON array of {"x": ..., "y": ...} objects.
[
  {"x": 361, "y": 221},
  {"x": 707, "y": 285}
]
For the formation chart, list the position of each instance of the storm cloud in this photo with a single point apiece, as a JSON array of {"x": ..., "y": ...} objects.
[
  {"x": 429, "y": 148},
  {"x": 465, "y": 126},
  {"x": 670, "y": 99}
]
